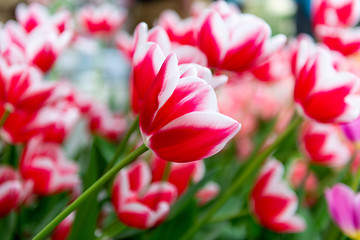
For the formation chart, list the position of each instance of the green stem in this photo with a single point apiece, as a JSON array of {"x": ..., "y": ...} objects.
[
  {"x": 167, "y": 171},
  {"x": 249, "y": 170},
  {"x": 93, "y": 188},
  {"x": 122, "y": 145},
  {"x": 4, "y": 117},
  {"x": 356, "y": 179}
]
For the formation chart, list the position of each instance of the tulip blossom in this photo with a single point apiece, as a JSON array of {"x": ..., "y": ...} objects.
[
  {"x": 146, "y": 64},
  {"x": 44, "y": 45},
  {"x": 321, "y": 92},
  {"x": 273, "y": 203},
  {"x": 207, "y": 193},
  {"x": 10, "y": 190},
  {"x": 234, "y": 41},
  {"x": 179, "y": 119},
  {"x": 45, "y": 164},
  {"x": 352, "y": 130},
  {"x": 31, "y": 16},
  {"x": 105, "y": 123},
  {"x": 345, "y": 41},
  {"x": 102, "y": 20},
  {"x": 180, "y": 175},
  {"x": 22, "y": 88},
  {"x": 345, "y": 13},
  {"x": 343, "y": 205},
  {"x": 324, "y": 145},
  {"x": 138, "y": 202}
]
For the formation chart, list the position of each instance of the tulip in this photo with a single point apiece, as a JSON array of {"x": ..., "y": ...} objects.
[
  {"x": 345, "y": 13},
  {"x": 45, "y": 164},
  {"x": 273, "y": 203},
  {"x": 343, "y": 205},
  {"x": 103, "y": 122},
  {"x": 321, "y": 92},
  {"x": 101, "y": 20},
  {"x": 180, "y": 175},
  {"x": 234, "y": 41},
  {"x": 324, "y": 145},
  {"x": 345, "y": 41},
  {"x": 10, "y": 190},
  {"x": 179, "y": 119},
  {"x": 22, "y": 88},
  {"x": 31, "y": 16},
  {"x": 207, "y": 193},
  {"x": 351, "y": 130},
  {"x": 138, "y": 202}
]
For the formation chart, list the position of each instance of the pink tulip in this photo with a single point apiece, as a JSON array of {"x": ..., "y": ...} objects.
[
  {"x": 273, "y": 203},
  {"x": 138, "y": 202},
  {"x": 101, "y": 20},
  {"x": 207, "y": 193},
  {"x": 180, "y": 175},
  {"x": 10, "y": 190},
  {"x": 345, "y": 13},
  {"x": 324, "y": 145},
  {"x": 352, "y": 130},
  {"x": 321, "y": 92},
  {"x": 343, "y": 205},
  {"x": 45, "y": 164},
  {"x": 234, "y": 41},
  {"x": 179, "y": 119}
]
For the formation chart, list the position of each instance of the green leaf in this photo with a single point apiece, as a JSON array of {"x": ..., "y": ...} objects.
[
  {"x": 174, "y": 228},
  {"x": 7, "y": 226},
  {"x": 86, "y": 216}
]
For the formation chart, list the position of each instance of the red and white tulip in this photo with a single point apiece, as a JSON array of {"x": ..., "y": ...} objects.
[
  {"x": 46, "y": 165},
  {"x": 179, "y": 118},
  {"x": 273, "y": 203},
  {"x": 138, "y": 202}
]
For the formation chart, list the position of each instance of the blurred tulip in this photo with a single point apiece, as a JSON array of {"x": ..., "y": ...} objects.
[
  {"x": 45, "y": 164},
  {"x": 31, "y": 16},
  {"x": 138, "y": 202},
  {"x": 180, "y": 175},
  {"x": 10, "y": 190},
  {"x": 179, "y": 119},
  {"x": 345, "y": 13},
  {"x": 321, "y": 92},
  {"x": 345, "y": 41},
  {"x": 273, "y": 203},
  {"x": 343, "y": 205},
  {"x": 324, "y": 145},
  {"x": 103, "y": 122},
  {"x": 207, "y": 193},
  {"x": 101, "y": 20},
  {"x": 352, "y": 130},
  {"x": 234, "y": 41}
]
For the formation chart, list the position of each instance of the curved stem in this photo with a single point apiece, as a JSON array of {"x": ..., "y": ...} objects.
[
  {"x": 249, "y": 170},
  {"x": 4, "y": 117},
  {"x": 93, "y": 188},
  {"x": 122, "y": 145},
  {"x": 356, "y": 179}
]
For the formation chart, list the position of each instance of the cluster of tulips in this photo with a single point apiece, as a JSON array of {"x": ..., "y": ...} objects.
[{"x": 292, "y": 169}]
